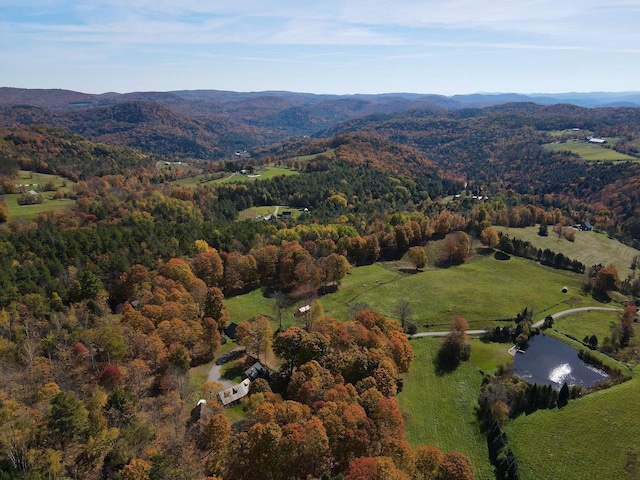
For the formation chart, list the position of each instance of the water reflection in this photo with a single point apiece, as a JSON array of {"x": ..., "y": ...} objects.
[{"x": 551, "y": 362}]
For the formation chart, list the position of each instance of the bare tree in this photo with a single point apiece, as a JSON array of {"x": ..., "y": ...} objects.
[{"x": 403, "y": 311}]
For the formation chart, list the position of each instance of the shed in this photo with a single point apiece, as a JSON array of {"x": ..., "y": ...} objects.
[
  {"x": 302, "y": 311},
  {"x": 230, "y": 331}
]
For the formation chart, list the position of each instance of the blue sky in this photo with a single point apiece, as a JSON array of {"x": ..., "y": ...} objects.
[{"x": 329, "y": 46}]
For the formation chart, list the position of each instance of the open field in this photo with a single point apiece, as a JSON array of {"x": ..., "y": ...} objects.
[
  {"x": 258, "y": 213},
  {"x": 305, "y": 158},
  {"x": 590, "y": 248},
  {"x": 36, "y": 181},
  {"x": 260, "y": 173},
  {"x": 596, "y": 436},
  {"x": 589, "y": 151},
  {"x": 580, "y": 324},
  {"x": 482, "y": 292},
  {"x": 30, "y": 212},
  {"x": 439, "y": 410}
]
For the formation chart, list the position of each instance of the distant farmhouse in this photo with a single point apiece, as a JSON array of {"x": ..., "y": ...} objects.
[{"x": 597, "y": 140}]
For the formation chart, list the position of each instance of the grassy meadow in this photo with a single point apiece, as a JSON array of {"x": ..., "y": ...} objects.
[
  {"x": 483, "y": 292},
  {"x": 590, "y": 248},
  {"x": 440, "y": 409},
  {"x": 596, "y": 436},
  {"x": 580, "y": 324},
  {"x": 589, "y": 151},
  {"x": 264, "y": 211},
  {"x": 36, "y": 181},
  {"x": 260, "y": 173}
]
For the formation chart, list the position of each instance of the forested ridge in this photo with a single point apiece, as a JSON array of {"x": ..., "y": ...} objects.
[{"x": 106, "y": 307}]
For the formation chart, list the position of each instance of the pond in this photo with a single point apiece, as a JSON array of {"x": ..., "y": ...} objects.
[{"x": 551, "y": 362}]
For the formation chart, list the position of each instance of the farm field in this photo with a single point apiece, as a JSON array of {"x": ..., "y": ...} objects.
[
  {"x": 260, "y": 173},
  {"x": 482, "y": 292},
  {"x": 589, "y": 151},
  {"x": 439, "y": 409},
  {"x": 259, "y": 213},
  {"x": 580, "y": 324},
  {"x": 595, "y": 436},
  {"x": 590, "y": 248},
  {"x": 36, "y": 181}
]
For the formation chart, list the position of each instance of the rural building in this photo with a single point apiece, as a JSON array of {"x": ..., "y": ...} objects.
[
  {"x": 597, "y": 140},
  {"x": 586, "y": 226},
  {"x": 257, "y": 370},
  {"x": 230, "y": 331},
  {"x": 235, "y": 393},
  {"x": 200, "y": 412},
  {"x": 302, "y": 311}
]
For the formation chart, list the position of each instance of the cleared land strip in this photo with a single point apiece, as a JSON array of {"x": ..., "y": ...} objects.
[{"x": 537, "y": 324}]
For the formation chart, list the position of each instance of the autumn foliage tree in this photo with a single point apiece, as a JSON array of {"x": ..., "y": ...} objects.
[
  {"x": 456, "y": 248},
  {"x": 454, "y": 348},
  {"x": 417, "y": 256},
  {"x": 489, "y": 237}
]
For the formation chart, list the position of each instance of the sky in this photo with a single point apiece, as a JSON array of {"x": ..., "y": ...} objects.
[{"x": 442, "y": 47}]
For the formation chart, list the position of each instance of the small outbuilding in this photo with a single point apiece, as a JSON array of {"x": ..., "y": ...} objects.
[
  {"x": 230, "y": 331},
  {"x": 257, "y": 370}
]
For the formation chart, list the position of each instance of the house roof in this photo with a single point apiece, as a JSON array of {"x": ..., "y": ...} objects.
[
  {"x": 235, "y": 393},
  {"x": 256, "y": 370},
  {"x": 230, "y": 331}
]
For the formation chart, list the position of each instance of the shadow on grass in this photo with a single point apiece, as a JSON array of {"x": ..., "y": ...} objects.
[
  {"x": 444, "y": 363},
  {"x": 501, "y": 256},
  {"x": 410, "y": 271}
]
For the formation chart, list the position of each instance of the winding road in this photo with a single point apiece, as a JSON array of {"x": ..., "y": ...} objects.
[{"x": 535, "y": 325}]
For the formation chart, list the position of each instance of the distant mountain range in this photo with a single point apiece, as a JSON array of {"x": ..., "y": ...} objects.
[
  {"x": 211, "y": 124},
  {"x": 69, "y": 100}
]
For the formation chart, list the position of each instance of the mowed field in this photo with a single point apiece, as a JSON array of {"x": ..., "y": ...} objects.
[
  {"x": 589, "y": 151},
  {"x": 440, "y": 409},
  {"x": 597, "y": 436},
  {"x": 483, "y": 292},
  {"x": 260, "y": 173},
  {"x": 590, "y": 248},
  {"x": 581, "y": 324},
  {"x": 35, "y": 181}
]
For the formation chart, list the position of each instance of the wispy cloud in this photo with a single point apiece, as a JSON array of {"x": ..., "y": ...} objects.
[{"x": 345, "y": 34}]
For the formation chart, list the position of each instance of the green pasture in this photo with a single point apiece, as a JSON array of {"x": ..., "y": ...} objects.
[
  {"x": 483, "y": 292},
  {"x": 260, "y": 173},
  {"x": 440, "y": 409},
  {"x": 356, "y": 283},
  {"x": 589, "y": 151},
  {"x": 305, "y": 158},
  {"x": 581, "y": 324},
  {"x": 259, "y": 213},
  {"x": 37, "y": 181},
  {"x": 596, "y": 436},
  {"x": 590, "y": 248},
  {"x": 569, "y": 133},
  {"x": 30, "y": 212}
]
